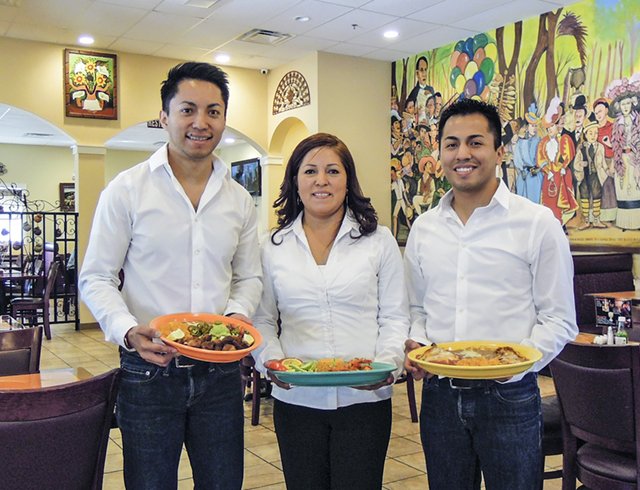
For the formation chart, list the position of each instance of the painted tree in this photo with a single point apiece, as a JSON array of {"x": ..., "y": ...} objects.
[
  {"x": 545, "y": 46},
  {"x": 507, "y": 70}
]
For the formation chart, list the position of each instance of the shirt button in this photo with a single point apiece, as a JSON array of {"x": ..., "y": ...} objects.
[
  {"x": 196, "y": 285},
  {"x": 196, "y": 251}
]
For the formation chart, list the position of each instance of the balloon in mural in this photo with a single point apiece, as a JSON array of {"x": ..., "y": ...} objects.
[
  {"x": 463, "y": 59},
  {"x": 455, "y": 73},
  {"x": 480, "y": 41},
  {"x": 487, "y": 68},
  {"x": 479, "y": 79},
  {"x": 485, "y": 93},
  {"x": 454, "y": 58},
  {"x": 460, "y": 82},
  {"x": 491, "y": 51},
  {"x": 470, "y": 70},
  {"x": 478, "y": 56},
  {"x": 468, "y": 47},
  {"x": 470, "y": 88},
  {"x": 459, "y": 46}
]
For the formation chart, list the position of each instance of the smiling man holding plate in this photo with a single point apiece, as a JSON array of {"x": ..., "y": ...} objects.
[
  {"x": 489, "y": 265},
  {"x": 184, "y": 234}
]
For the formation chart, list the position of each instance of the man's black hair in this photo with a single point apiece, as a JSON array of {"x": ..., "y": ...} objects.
[
  {"x": 192, "y": 70},
  {"x": 466, "y": 107}
]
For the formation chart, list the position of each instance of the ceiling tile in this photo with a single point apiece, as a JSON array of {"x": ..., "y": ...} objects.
[
  {"x": 135, "y": 46},
  {"x": 184, "y": 53},
  {"x": 350, "y": 25},
  {"x": 398, "y": 8},
  {"x": 142, "y": 4},
  {"x": 319, "y": 13},
  {"x": 60, "y": 12},
  {"x": 156, "y": 26},
  {"x": 251, "y": 12},
  {"x": 450, "y": 11},
  {"x": 115, "y": 20},
  {"x": 178, "y": 8},
  {"x": 432, "y": 39},
  {"x": 40, "y": 32},
  {"x": 347, "y": 3},
  {"x": 406, "y": 28},
  {"x": 508, "y": 13},
  {"x": 211, "y": 34}
]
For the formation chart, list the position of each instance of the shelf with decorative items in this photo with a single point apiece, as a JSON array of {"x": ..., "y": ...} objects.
[{"x": 33, "y": 235}]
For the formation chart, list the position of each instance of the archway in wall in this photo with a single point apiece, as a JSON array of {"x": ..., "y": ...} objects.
[{"x": 285, "y": 137}]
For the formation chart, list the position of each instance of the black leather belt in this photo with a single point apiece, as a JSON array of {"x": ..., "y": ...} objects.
[{"x": 467, "y": 384}]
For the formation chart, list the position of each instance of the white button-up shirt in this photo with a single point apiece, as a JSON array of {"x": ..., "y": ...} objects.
[
  {"x": 354, "y": 306},
  {"x": 175, "y": 259},
  {"x": 505, "y": 275}
]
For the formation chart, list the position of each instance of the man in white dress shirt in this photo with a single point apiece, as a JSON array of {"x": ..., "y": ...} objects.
[
  {"x": 485, "y": 264},
  {"x": 184, "y": 234}
]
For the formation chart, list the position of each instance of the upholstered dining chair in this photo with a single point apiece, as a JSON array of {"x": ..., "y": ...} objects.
[
  {"x": 30, "y": 307},
  {"x": 56, "y": 437},
  {"x": 599, "y": 392},
  {"x": 20, "y": 351}
]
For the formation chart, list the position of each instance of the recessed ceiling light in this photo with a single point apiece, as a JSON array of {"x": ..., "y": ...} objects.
[
  {"x": 86, "y": 39},
  {"x": 391, "y": 34},
  {"x": 223, "y": 58},
  {"x": 229, "y": 141},
  {"x": 302, "y": 18}
]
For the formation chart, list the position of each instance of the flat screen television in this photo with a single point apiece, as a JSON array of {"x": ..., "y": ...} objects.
[{"x": 248, "y": 174}]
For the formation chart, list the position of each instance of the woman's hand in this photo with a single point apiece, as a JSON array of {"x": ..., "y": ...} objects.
[
  {"x": 386, "y": 382},
  {"x": 141, "y": 338},
  {"x": 273, "y": 366}
]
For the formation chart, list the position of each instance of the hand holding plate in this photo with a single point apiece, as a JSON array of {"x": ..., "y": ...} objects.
[
  {"x": 416, "y": 371},
  {"x": 386, "y": 382},
  {"x": 141, "y": 338}
]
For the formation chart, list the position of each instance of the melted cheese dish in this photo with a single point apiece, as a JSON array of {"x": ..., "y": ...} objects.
[{"x": 478, "y": 356}]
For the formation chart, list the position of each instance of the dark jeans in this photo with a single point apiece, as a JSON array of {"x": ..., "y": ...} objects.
[
  {"x": 495, "y": 429},
  {"x": 342, "y": 449},
  {"x": 159, "y": 409}
]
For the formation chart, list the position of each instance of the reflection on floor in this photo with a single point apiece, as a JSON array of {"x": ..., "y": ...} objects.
[{"x": 404, "y": 469}]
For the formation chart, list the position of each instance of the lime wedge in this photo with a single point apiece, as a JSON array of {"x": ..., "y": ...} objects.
[{"x": 175, "y": 335}]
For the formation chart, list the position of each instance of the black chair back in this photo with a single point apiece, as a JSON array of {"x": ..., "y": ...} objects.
[
  {"x": 20, "y": 351},
  {"x": 599, "y": 392},
  {"x": 57, "y": 437}
]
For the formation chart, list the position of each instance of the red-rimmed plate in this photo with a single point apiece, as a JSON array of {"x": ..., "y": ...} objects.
[{"x": 168, "y": 323}]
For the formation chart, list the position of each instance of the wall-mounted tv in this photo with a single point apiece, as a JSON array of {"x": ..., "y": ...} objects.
[{"x": 248, "y": 174}]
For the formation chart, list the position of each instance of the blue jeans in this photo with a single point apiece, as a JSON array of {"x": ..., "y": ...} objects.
[
  {"x": 159, "y": 409},
  {"x": 493, "y": 428}
]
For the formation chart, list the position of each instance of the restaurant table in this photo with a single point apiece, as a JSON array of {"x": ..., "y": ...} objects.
[
  {"x": 587, "y": 338},
  {"x": 43, "y": 379}
]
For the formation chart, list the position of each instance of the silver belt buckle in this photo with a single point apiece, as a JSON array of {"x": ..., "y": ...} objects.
[
  {"x": 458, "y": 387},
  {"x": 178, "y": 364}
]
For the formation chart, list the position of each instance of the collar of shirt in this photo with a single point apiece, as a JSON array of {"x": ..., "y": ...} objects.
[
  {"x": 500, "y": 198},
  {"x": 349, "y": 224}
]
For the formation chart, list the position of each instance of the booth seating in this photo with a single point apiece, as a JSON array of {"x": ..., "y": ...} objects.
[{"x": 597, "y": 273}]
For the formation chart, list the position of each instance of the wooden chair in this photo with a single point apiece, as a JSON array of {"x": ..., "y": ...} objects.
[
  {"x": 20, "y": 351},
  {"x": 251, "y": 378},
  {"x": 30, "y": 307},
  {"x": 52, "y": 438},
  {"x": 599, "y": 392}
]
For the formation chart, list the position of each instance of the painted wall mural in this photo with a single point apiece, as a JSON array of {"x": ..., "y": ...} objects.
[{"x": 567, "y": 86}]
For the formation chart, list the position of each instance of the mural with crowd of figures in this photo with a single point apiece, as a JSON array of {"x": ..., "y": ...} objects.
[{"x": 567, "y": 86}]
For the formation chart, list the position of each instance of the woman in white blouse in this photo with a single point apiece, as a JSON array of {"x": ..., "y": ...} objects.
[{"x": 333, "y": 282}]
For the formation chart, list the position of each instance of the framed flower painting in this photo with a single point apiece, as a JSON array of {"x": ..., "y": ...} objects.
[{"x": 90, "y": 84}]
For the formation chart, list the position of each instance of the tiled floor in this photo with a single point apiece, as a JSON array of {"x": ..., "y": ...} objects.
[{"x": 404, "y": 469}]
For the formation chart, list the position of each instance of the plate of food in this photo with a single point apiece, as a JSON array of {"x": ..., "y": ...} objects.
[
  {"x": 476, "y": 359},
  {"x": 330, "y": 372},
  {"x": 207, "y": 337}
]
